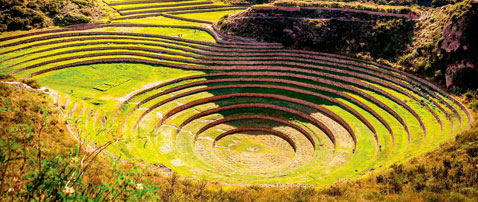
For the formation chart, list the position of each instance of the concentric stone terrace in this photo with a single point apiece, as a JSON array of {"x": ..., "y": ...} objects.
[{"x": 233, "y": 110}]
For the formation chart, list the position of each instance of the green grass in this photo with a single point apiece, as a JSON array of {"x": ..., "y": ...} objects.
[
  {"x": 169, "y": 7},
  {"x": 152, "y": 4},
  {"x": 187, "y": 34},
  {"x": 158, "y": 21},
  {"x": 209, "y": 16},
  {"x": 360, "y": 161},
  {"x": 82, "y": 79},
  {"x": 351, "y": 164},
  {"x": 179, "y": 152}
]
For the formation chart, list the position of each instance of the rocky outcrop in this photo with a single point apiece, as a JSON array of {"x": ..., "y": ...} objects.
[
  {"x": 459, "y": 49},
  {"x": 463, "y": 73}
]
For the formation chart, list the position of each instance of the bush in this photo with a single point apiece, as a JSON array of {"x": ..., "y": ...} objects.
[
  {"x": 81, "y": 3},
  {"x": 32, "y": 83},
  {"x": 6, "y": 77},
  {"x": 474, "y": 105},
  {"x": 335, "y": 191},
  {"x": 70, "y": 19}
]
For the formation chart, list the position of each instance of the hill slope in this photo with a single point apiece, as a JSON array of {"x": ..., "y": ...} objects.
[
  {"x": 437, "y": 45},
  {"x": 29, "y": 14}
]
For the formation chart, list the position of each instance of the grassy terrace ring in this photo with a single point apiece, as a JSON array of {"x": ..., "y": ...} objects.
[{"x": 232, "y": 110}]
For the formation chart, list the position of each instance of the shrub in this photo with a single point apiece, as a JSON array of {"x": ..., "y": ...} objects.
[
  {"x": 81, "y": 3},
  {"x": 474, "y": 105},
  {"x": 335, "y": 191},
  {"x": 69, "y": 19},
  {"x": 473, "y": 151},
  {"x": 32, "y": 83},
  {"x": 6, "y": 77}
]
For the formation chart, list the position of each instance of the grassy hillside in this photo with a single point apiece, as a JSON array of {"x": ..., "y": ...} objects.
[
  {"x": 29, "y": 14},
  {"x": 41, "y": 161}
]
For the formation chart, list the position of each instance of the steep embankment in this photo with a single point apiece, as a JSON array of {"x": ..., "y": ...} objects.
[{"x": 438, "y": 45}]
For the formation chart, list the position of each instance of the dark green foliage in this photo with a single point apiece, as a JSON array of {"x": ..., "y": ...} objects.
[
  {"x": 70, "y": 19},
  {"x": 32, "y": 83},
  {"x": 15, "y": 16},
  {"x": 335, "y": 191},
  {"x": 471, "y": 97},
  {"x": 6, "y": 77},
  {"x": 25, "y": 15}
]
